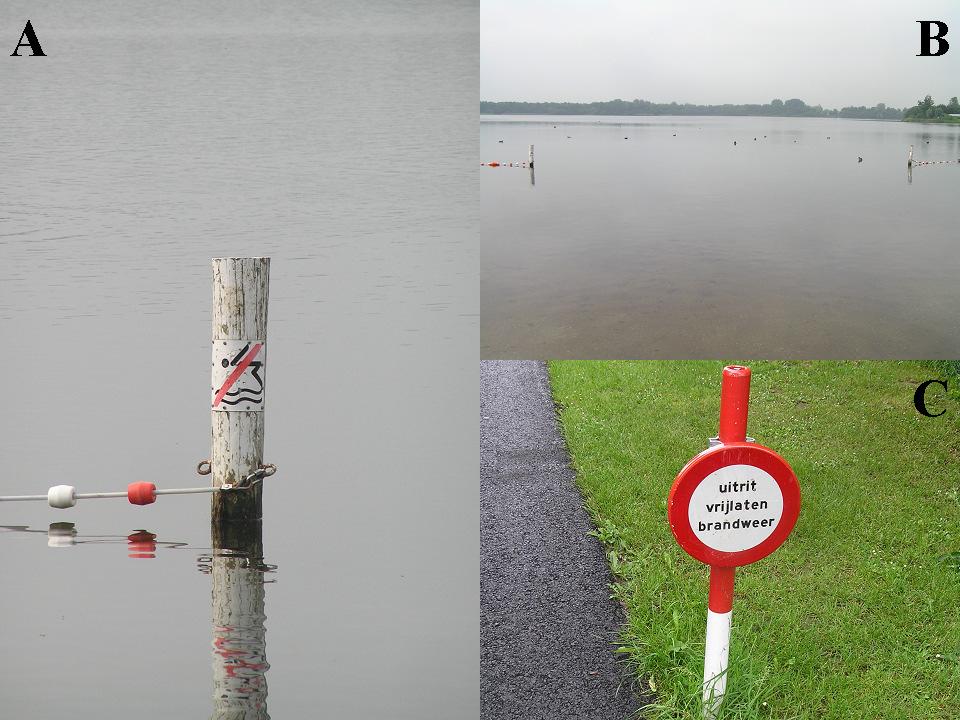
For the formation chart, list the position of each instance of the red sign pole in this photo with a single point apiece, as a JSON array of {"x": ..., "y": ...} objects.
[
  {"x": 731, "y": 505},
  {"x": 734, "y": 403}
]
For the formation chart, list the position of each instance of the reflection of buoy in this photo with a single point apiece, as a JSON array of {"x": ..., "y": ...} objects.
[
  {"x": 141, "y": 544},
  {"x": 61, "y": 535}
]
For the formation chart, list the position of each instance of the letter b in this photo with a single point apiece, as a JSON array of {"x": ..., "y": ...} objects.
[{"x": 926, "y": 37}]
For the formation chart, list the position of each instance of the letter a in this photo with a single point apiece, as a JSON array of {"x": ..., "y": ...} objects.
[
  {"x": 926, "y": 37},
  {"x": 31, "y": 42}
]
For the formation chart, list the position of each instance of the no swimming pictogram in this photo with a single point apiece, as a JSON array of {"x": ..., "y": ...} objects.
[{"x": 238, "y": 368}]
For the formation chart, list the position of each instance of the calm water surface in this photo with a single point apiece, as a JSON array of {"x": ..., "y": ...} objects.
[
  {"x": 338, "y": 140},
  {"x": 658, "y": 237}
]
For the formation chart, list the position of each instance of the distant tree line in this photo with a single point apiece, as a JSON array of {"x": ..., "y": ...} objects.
[
  {"x": 777, "y": 108},
  {"x": 926, "y": 109}
]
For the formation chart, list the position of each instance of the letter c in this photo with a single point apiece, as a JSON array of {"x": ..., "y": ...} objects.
[{"x": 918, "y": 397}]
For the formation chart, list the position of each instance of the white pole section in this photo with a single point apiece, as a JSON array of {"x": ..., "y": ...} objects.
[
  {"x": 715, "y": 661},
  {"x": 910, "y": 157},
  {"x": 240, "y": 294}
]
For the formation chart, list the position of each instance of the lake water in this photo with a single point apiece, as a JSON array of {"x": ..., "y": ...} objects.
[
  {"x": 338, "y": 140},
  {"x": 658, "y": 237}
]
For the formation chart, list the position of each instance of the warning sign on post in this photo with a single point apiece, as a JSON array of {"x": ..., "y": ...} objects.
[
  {"x": 735, "y": 508},
  {"x": 734, "y": 504},
  {"x": 238, "y": 375}
]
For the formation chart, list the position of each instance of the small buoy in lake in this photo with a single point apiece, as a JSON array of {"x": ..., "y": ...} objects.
[
  {"x": 859, "y": 159},
  {"x": 626, "y": 138},
  {"x": 828, "y": 137},
  {"x": 493, "y": 164},
  {"x": 734, "y": 142},
  {"x": 754, "y": 139},
  {"x": 499, "y": 141},
  {"x": 674, "y": 134},
  {"x": 62, "y": 496},
  {"x": 141, "y": 493}
]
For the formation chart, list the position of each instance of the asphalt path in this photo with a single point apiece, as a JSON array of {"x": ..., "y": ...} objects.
[{"x": 548, "y": 627}]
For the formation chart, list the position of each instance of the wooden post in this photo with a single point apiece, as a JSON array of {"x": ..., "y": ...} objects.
[
  {"x": 531, "y": 156},
  {"x": 240, "y": 292},
  {"x": 910, "y": 157},
  {"x": 239, "y": 637}
]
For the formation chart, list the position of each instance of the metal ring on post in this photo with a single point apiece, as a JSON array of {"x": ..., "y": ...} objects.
[{"x": 201, "y": 465}]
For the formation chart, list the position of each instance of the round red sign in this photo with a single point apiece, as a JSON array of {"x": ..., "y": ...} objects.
[{"x": 733, "y": 504}]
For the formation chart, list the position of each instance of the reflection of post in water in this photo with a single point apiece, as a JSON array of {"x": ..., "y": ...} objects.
[
  {"x": 910, "y": 174},
  {"x": 239, "y": 637},
  {"x": 533, "y": 180}
]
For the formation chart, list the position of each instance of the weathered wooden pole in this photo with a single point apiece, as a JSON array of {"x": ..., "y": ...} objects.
[
  {"x": 239, "y": 637},
  {"x": 531, "y": 156},
  {"x": 910, "y": 157},
  {"x": 240, "y": 292}
]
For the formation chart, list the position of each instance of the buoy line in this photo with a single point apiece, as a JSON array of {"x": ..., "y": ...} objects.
[
  {"x": 138, "y": 493},
  {"x": 506, "y": 164}
]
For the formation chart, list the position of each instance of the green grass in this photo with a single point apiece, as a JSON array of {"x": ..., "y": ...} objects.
[{"x": 857, "y": 615}]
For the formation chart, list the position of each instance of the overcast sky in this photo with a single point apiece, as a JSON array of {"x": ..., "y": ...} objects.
[{"x": 744, "y": 51}]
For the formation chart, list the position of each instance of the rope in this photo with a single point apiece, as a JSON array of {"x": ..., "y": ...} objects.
[
  {"x": 521, "y": 164},
  {"x": 142, "y": 493}
]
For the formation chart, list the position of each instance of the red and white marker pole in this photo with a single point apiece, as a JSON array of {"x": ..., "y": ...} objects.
[
  {"x": 731, "y": 505},
  {"x": 734, "y": 402}
]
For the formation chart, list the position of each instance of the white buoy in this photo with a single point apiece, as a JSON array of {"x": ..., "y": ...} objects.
[{"x": 62, "y": 496}]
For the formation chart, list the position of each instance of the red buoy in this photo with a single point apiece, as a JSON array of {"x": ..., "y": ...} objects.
[{"x": 141, "y": 493}]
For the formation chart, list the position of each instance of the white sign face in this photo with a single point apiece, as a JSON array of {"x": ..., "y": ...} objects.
[
  {"x": 238, "y": 371},
  {"x": 735, "y": 508}
]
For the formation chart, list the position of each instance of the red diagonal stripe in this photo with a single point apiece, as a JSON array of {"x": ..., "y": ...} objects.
[{"x": 237, "y": 372}]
